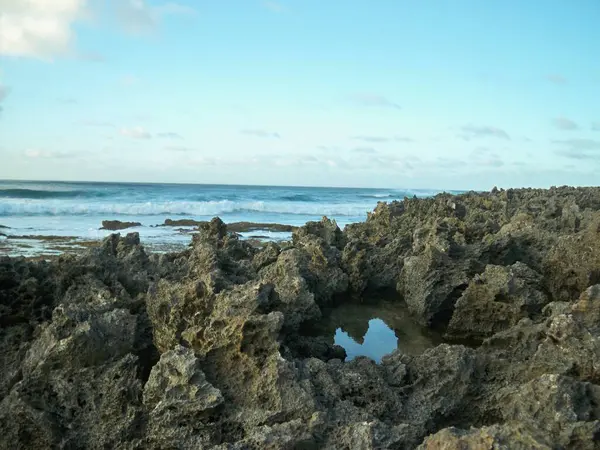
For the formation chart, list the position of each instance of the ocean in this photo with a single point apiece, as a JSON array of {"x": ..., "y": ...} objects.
[{"x": 77, "y": 209}]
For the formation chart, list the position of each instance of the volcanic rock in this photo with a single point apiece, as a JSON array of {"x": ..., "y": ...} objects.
[
  {"x": 208, "y": 347},
  {"x": 116, "y": 225}
]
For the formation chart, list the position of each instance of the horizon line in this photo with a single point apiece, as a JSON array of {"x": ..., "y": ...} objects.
[{"x": 232, "y": 184}]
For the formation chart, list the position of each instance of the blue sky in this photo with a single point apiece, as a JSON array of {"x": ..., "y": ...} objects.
[{"x": 460, "y": 94}]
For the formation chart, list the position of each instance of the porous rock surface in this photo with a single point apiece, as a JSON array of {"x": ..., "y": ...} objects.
[{"x": 118, "y": 348}]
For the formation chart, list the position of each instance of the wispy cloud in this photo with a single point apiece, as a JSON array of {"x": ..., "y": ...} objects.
[
  {"x": 97, "y": 123},
  {"x": 309, "y": 159},
  {"x": 449, "y": 163},
  {"x": 273, "y": 6},
  {"x": 90, "y": 56},
  {"x": 138, "y": 17},
  {"x": 493, "y": 162},
  {"x": 178, "y": 148},
  {"x": 135, "y": 133},
  {"x": 67, "y": 101},
  {"x": 204, "y": 161},
  {"x": 328, "y": 148},
  {"x": 261, "y": 133},
  {"x": 406, "y": 163},
  {"x": 373, "y": 139},
  {"x": 43, "y": 154},
  {"x": 365, "y": 150},
  {"x": 169, "y": 135},
  {"x": 382, "y": 139},
  {"x": 556, "y": 79},
  {"x": 595, "y": 125},
  {"x": 129, "y": 80},
  {"x": 483, "y": 131},
  {"x": 373, "y": 100},
  {"x": 562, "y": 123},
  {"x": 172, "y": 8},
  {"x": 487, "y": 157},
  {"x": 578, "y": 148},
  {"x": 4, "y": 91}
]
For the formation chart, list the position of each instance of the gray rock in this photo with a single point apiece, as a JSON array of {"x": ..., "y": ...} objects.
[
  {"x": 180, "y": 402},
  {"x": 206, "y": 348},
  {"x": 497, "y": 300},
  {"x": 561, "y": 408},
  {"x": 511, "y": 436},
  {"x": 116, "y": 225}
]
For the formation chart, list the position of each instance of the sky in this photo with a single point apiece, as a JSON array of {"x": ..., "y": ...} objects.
[{"x": 446, "y": 94}]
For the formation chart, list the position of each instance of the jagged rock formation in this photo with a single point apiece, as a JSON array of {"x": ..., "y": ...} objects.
[{"x": 116, "y": 348}]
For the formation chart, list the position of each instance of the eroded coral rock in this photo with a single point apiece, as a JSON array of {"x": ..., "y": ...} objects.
[
  {"x": 205, "y": 348},
  {"x": 496, "y": 300}
]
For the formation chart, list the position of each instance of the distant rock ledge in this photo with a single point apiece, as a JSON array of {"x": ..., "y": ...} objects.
[
  {"x": 115, "y": 225},
  {"x": 236, "y": 227}
]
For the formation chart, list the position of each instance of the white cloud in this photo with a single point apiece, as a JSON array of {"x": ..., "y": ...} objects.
[
  {"x": 38, "y": 28},
  {"x": 135, "y": 133},
  {"x": 43, "y": 29}
]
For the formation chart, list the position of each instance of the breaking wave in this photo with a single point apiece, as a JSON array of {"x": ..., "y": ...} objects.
[{"x": 178, "y": 208}]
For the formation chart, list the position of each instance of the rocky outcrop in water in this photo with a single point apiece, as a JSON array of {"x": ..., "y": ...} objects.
[
  {"x": 234, "y": 227},
  {"x": 206, "y": 348},
  {"x": 116, "y": 225}
]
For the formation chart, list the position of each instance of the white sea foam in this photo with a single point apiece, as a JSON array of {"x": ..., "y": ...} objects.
[
  {"x": 176, "y": 208},
  {"x": 78, "y": 209}
]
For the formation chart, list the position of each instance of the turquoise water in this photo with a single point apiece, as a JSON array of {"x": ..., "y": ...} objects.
[{"x": 77, "y": 209}]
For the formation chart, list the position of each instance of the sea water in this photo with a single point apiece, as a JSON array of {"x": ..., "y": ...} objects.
[{"x": 78, "y": 209}]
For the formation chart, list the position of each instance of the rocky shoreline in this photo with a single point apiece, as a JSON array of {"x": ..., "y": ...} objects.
[
  {"x": 49, "y": 247},
  {"x": 120, "y": 348}
]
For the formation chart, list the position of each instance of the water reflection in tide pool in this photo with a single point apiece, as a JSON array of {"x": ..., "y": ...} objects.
[{"x": 375, "y": 330}]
